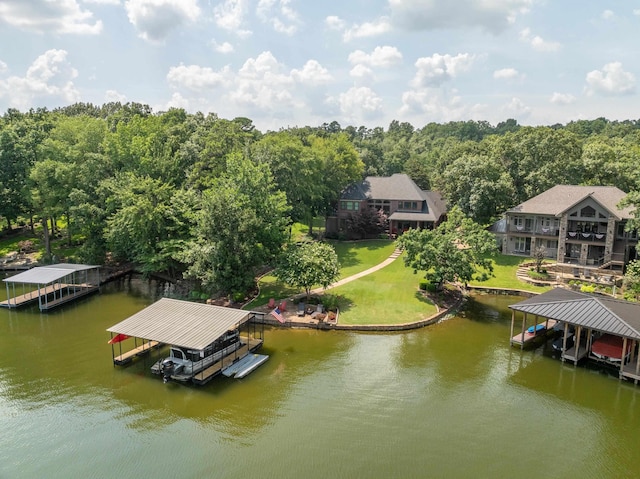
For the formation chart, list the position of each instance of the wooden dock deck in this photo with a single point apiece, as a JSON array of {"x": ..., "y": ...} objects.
[
  {"x": 529, "y": 338},
  {"x": 73, "y": 291},
  {"x": 571, "y": 355},
  {"x": 206, "y": 375},
  {"x": 144, "y": 348}
]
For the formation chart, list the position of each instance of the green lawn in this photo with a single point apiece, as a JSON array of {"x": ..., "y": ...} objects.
[
  {"x": 504, "y": 270},
  {"x": 353, "y": 257},
  {"x": 388, "y": 296}
]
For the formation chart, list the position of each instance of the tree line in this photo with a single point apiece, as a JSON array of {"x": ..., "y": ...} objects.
[{"x": 213, "y": 199}]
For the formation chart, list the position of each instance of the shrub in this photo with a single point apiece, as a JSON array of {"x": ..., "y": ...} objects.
[
  {"x": 588, "y": 288},
  {"x": 238, "y": 297}
]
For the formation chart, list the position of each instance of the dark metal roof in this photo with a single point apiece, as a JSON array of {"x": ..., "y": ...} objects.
[
  {"x": 181, "y": 323},
  {"x": 48, "y": 274},
  {"x": 600, "y": 313}
]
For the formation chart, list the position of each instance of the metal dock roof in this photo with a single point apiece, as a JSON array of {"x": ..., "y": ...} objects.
[
  {"x": 181, "y": 323},
  {"x": 600, "y": 313},
  {"x": 47, "y": 274}
]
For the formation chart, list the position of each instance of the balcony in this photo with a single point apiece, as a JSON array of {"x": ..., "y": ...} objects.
[{"x": 586, "y": 237}]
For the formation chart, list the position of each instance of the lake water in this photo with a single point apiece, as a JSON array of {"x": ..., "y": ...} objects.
[{"x": 450, "y": 400}]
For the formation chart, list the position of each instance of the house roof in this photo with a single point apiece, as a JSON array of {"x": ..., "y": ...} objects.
[
  {"x": 395, "y": 187},
  {"x": 600, "y": 313},
  {"x": 181, "y": 323},
  {"x": 48, "y": 274},
  {"x": 558, "y": 199}
]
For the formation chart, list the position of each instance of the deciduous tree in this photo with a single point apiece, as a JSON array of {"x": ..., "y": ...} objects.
[
  {"x": 453, "y": 252},
  {"x": 307, "y": 265}
]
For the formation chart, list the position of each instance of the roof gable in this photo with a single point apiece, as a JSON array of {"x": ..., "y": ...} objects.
[{"x": 558, "y": 199}]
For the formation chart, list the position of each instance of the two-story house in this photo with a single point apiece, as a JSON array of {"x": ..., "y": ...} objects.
[
  {"x": 405, "y": 204},
  {"x": 578, "y": 225}
]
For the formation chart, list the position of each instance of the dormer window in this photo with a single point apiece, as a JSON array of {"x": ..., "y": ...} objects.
[{"x": 409, "y": 205}]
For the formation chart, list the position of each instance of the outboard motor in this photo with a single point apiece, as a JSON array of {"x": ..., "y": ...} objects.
[{"x": 168, "y": 368}]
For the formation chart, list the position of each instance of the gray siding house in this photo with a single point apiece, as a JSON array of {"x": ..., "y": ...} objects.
[{"x": 578, "y": 225}]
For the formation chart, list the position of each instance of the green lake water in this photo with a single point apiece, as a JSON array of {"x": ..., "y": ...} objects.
[{"x": 447, "y": 401}]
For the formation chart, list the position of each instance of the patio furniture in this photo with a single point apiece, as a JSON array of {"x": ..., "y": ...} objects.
[
  {"x": 300, "y": 309},
  {"x": 272, "y": 303}
]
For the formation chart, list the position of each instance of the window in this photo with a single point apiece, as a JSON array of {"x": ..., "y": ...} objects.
[
  {"x": 408, "y": 205},
  {"x": 384, "y": 205},
  {"x": 588, "y": 212},
  {"x": 520, "y": 244},
  {"x": 350, "y": 205}
]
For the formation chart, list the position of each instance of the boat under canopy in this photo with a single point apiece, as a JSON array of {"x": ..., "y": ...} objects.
[{"x": 191, "y": 327}]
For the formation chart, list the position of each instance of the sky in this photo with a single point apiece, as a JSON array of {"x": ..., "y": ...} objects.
[{"x": 288, "y": 63}]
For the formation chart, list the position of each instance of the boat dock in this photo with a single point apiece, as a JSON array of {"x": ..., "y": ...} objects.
[
  {"x": 593, "y": 318},
  {"x": 192, "y": 328},
  {"x": 55, "y": 285},
  {"x": 128, "y": 356},
  {"x": 231, "y": 364},
  {"x": 531, "y": 334}
]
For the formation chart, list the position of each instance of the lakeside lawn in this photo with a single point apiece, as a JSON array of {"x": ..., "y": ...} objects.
[
  {"x": 504, "y": 270},
  {"x": 354, "y": 257},
  {"x": 387, "y": 296},
  {"x": 390, "y": 295}
]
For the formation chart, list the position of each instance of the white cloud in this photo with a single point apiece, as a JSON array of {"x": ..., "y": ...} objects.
[
  {"x": 607, "y": 15},
  {"x": 436, "y": 69},
  {"x": 611, "y": 80},
  {"x": 42, "y": 16},
  {"x": 261, "y": 83},
  {"x": 154, "y": 19},
  {"x": 361, "y": 71},
  {"x": 507, "y": 74},
  {"x": 537, "y": 42},
  {"x": 3, "y": 67},
  {"x": 312, "y": 73},
  {"x": 562, "y": 98},
  {"x": 334, "y": 23},
  {"x": 384, "y": 57},
  {"x": 490, "y": 15},
  {"x": 367, "y": 29},
  {"x": 360, "y": 103},
  {"x": 49, "y": 78},
  {"x": 114, "y": 96},
  {"x": 280, "y": 15},
  {"x": 517, "y": 107},
  {"x": 103, "y": 2},
  {"x": 636, "y": 11},
  {"x": 224, "y": 47},
  {"x": 434, "y": 104},
  {"x": 230, "y": 14},
  {"x": 197, "y": 78},
  {"x": 178, "y": 101}
]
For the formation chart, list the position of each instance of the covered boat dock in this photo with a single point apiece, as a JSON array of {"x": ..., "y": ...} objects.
[
  {"x": 595, "y": 318},
  {"x": 192, "y": 326},
  {"x": 55, "y": 284}
]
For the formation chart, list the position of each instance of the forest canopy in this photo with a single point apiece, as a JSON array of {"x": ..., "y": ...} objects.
[{"x": 211, "y": 198}]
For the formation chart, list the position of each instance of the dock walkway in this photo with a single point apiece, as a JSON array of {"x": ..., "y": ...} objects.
[{"x": 124, "y": 358}]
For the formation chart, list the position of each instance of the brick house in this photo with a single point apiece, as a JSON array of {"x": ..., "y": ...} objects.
[
  {"x": 405, "y": 204},
  {"x": 578, "y": 225}
]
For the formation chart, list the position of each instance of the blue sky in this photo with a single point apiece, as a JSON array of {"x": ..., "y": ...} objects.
[{"x": 300, "y": 62}]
